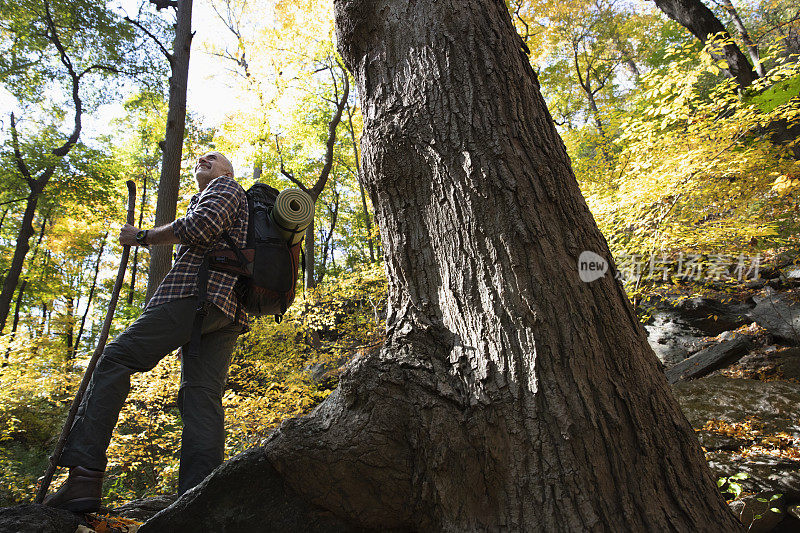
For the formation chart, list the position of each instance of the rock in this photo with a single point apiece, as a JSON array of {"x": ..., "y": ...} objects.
[
  {"x": 757, "y": 512},
  {"x": 769, "y": 272},
  {"x": 777, "y": 284},
  {"x": 711, "y": 316},
  {"x": 789, "y": 524},
  {"x": 678, "y": 327},
  {"x": 710, "y": 359},
  {"x": 712, "y": 441},
  {"x": 773, "y": 403},
  {"x": 766, "y": 473},
  {"x": 772, "y": 362},
  {"x": 671, "y": 338},
  {"x": 794, "y": 511},
  {"x": 145, "y": 508},
  {"x": 792, "y": 274},
  {"x": 779, "y": 315},
  {"x": 34, "y": 518}
]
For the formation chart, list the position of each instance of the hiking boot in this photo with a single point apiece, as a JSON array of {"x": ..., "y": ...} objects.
[{"x": 80, "y": 493}]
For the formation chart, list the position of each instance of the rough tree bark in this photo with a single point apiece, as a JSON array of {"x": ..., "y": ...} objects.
[
  {"x": 509, "y": 395},
  {"x": 169, "y": 183},
  {"x": 698, "y": 19}
]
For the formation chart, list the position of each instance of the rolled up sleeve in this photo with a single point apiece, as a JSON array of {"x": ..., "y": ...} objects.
[{"x": 215, "y": 210}]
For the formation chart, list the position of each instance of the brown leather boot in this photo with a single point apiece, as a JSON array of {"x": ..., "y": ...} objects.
[{"x": 80, "y": 493}]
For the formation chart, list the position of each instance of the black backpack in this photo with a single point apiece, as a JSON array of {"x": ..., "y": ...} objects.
[{"x": 267, "y": 266}]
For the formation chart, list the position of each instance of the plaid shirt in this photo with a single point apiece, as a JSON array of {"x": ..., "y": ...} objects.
[{"x": 221, "y": 206}]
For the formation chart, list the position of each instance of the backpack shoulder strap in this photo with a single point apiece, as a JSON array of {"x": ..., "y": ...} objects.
[
  {"x": 232, "y": 245},
  {"x": 193, "y": 348}
]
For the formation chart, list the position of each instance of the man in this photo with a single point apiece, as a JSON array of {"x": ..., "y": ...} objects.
[{"x": 166, "y": 324}]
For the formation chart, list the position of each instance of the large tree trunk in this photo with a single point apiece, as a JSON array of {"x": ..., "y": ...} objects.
[
  {"x": 169, "y": 183},
  {"x": 509, "y": 395},
  {"x": 698, "y": 19}
]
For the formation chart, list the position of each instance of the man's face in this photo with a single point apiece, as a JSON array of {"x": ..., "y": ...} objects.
[{"x": 212, "y": 165}]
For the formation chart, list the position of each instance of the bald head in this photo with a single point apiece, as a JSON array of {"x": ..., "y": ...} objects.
[{"x": 209, "y": 166}]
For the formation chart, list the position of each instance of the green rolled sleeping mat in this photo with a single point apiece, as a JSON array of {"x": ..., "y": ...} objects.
[{"x": 293, "y": 212}]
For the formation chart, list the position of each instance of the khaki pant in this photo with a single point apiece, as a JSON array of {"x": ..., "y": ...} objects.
[{"x": 157, "y": 332}]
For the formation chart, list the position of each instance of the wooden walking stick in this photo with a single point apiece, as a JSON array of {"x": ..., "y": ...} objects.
[{"x": 101, "y": 344}]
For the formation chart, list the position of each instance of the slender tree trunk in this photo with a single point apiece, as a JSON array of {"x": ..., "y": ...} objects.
[
  {"x": 327, "y": 245},
  {"x": 166, "y": 206},
  {"x": 595, "y": 112},
  {"x": 586, "y": 84},
  {"x": 69, "y": 328},
  {"x": 509, "y": 394},
  {"x": 37, "y": 184},
  {"x": 20, "y": 251},
  {"x": 132, "y": 288},
  {"x": 21, "y": 290},
  {"x": 324, "y": 174},
  {"x": 698, "y": 19},
  {"x": 17, "y": 305},
  {"x": 745, "y": 35},
  {"x": 44, "y": 318},
  {"x": 631, "y": 64},
  {"x": 357, "y": 158},
  {"x": 91, "y": 294},
  {"x": 3, "y": 217},
  {"x": 310, "y": 280}
]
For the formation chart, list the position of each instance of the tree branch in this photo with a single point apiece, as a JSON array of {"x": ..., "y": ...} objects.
[
  {"x": 153, "y": 37},
  {"x": 98, "y": 67},
  {"x": 62, "y": 150},
  {"x": 14, "y": 201},
  {"x": 23, "y": 168},
  {"x": 164, "y": 4},
  {"x": 332, "y": 125},
  {"x": 286, "y": 173}
]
